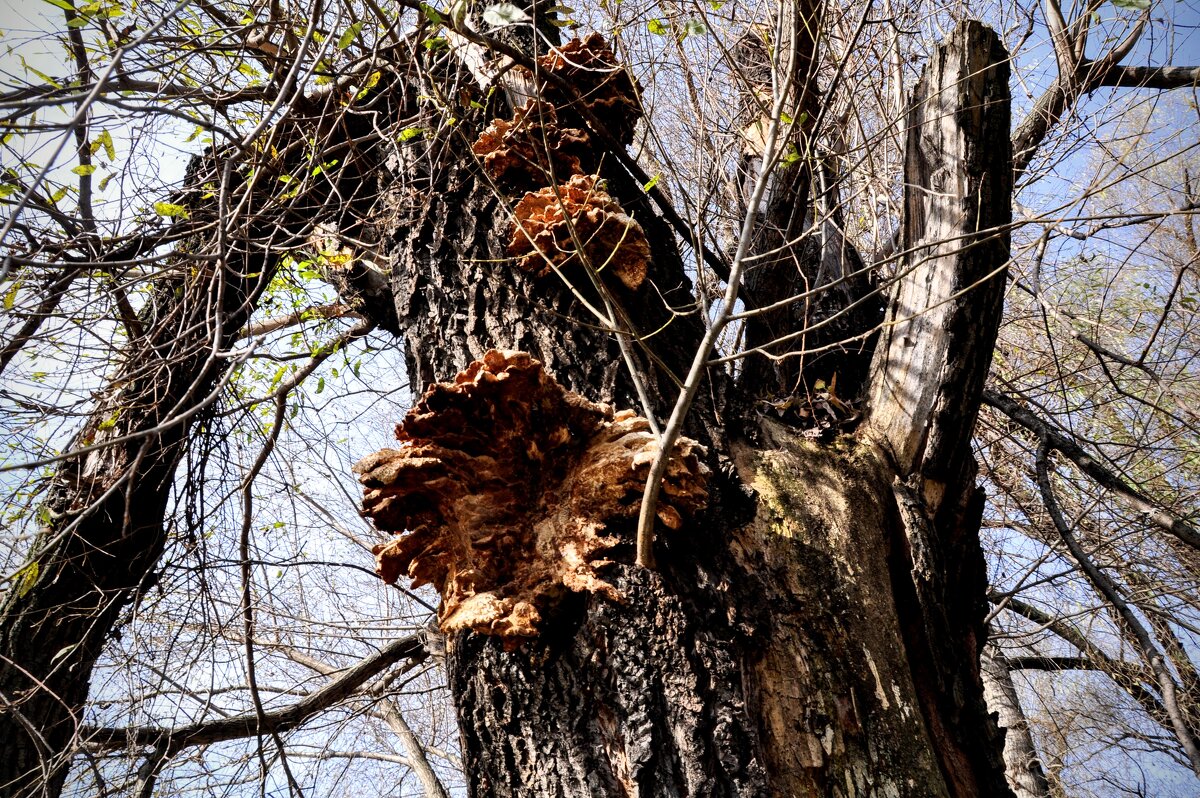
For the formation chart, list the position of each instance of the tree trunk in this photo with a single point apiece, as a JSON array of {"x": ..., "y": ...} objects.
[
  {"x": 819, "y": 638},
  {"x": 105, "y": 517},
  {"x": 105, "y": 525},
  {"x": 1026, "y": 775}
]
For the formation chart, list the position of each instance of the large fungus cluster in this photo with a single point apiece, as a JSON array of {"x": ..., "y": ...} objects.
[
  {"x": 565, "y": 219},
  {"x": 505, "y": 489}
]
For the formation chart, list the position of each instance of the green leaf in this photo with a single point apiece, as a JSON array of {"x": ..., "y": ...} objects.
[
  {"x": 657, "y": 27},
  {"x": 320, "y": 384},
  {"x": 693, "y": 27},
  {"x": 1140, "y": 5},
  {"x": 431, "y": 14},
  {"x": 105, "y": 140},
  {"x": 371, "y": 83},
  {"x": 7, "y": 190},
  {"x": 651, "y": 183},
  {"x": 410, "y": 133},
  {"x": 792, "y": 156},
  {"x": 349, "y": 36},
  {"x": 171, "y": 210},
  {"x": 57, "y": 196},
  {"x": 111, "y": 421},
  {"x": 10, "y": 296},
  {"x": 84, "y": 169},
  {"x": 39, "y": 73},
  {"x": 63, "y": 4},
  {"x": 502, "y": 14},
  {"x": 26, "y": 578},
  {"x": 317, "y": 170}
]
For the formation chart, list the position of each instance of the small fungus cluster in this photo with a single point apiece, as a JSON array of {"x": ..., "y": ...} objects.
[
  {"x": 614, "y": 243},
  {"x": 546, "y": 153},
  {"x": 504, "y": 491}
]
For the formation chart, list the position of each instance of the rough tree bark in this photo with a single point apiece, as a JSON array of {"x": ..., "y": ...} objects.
[{"x": 819, "y": 638}]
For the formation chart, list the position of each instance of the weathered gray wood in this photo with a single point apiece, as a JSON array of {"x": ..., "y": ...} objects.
[
  {"x": 936, "y": 347},
  {"x": 929, "y": 371},
  {"x": 1021, "y": 762}
]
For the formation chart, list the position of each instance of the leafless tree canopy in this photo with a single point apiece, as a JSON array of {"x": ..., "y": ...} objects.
[{"x": 206, "y": 323}]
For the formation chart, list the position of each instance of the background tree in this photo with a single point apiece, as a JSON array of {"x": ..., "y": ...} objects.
[{"x": 336, "y": 179}]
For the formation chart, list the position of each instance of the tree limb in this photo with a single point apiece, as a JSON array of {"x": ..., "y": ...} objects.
[
  {"x": 1109, "y": 590},
  {"x": 1093, "y": 468},
  {"x": 171, "y": 741}
]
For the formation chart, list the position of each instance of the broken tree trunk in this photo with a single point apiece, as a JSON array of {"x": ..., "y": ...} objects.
[
  {"x": 821, "y": 640},
  {"x": 1022, "y": 764}
]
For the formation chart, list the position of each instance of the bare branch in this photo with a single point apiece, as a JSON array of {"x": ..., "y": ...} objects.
[
  {"x": 105, "y": 738},
  {"x": 1093, "y": 468}
]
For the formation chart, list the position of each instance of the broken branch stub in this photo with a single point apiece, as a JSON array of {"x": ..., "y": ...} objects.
[
  {"x": 504, "y": 491},
  {"x": 613, "y": 241}
]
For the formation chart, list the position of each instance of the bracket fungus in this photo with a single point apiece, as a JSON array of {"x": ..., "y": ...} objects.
[
  {"x": 605, "y": 86},
  {"x": 524, "y": 153},
  {"x": 505, "y": 490},
  {"x": 613, "y": 241}
]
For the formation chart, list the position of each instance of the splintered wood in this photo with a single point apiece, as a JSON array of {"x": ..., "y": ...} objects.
[{"x": 508, "y": 492}]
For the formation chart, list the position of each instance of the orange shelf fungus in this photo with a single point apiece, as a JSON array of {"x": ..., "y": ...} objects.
[
  {"x": 591, "y": 67},
  {"x": 613, "y": 241},
  {"x": 504, "y": 491},
  {"x": 524, "y": 153}
]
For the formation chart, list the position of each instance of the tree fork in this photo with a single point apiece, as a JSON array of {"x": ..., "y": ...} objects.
[{"x": 814, "y": 644}]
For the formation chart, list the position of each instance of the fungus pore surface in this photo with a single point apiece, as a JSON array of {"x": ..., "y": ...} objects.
[{"x": 504, "y": 491}]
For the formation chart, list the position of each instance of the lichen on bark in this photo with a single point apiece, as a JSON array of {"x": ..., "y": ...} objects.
[{"x": 507, "y": 492}]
